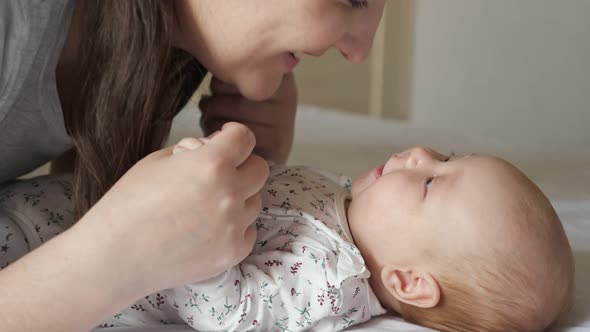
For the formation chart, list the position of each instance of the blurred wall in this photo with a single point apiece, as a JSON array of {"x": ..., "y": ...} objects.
[
  {"x": 519, "y": 69},
  {"x": 513, "y": 68}
]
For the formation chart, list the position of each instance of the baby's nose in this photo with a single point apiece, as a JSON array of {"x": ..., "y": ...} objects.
[{"x": 418, "y": 156}]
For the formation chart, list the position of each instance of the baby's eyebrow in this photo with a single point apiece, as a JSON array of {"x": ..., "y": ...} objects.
[
  {"x": 455, "y": 156},
  {"x": 468, "y": 155}
]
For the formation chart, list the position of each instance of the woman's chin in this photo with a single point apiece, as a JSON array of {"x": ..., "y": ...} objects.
[{"x": 259, "y": 87}]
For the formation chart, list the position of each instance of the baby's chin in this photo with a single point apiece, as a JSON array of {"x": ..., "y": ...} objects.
[
  {"x": 365, "y": 181},
  {"x": 356, "y": 185}
]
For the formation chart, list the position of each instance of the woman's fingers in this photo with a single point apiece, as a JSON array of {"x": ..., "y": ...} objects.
[
  {"x": 189, "y": 143},
  {"x": 233, "y": 143},
  {"x": 219, "y": 87},
  {"x": 237, "y": 108},
  {"x": 253, "y": 174}
]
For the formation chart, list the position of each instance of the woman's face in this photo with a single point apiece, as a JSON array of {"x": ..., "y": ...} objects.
[{"x": 254, "y": 43}]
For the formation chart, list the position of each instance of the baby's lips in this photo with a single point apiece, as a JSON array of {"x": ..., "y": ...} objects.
[{"x": 378, "y": 171}]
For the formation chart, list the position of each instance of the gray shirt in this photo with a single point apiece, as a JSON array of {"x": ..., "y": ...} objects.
[{"x": 32, "y": 130}]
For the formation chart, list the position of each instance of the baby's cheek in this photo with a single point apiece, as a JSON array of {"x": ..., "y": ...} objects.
[
  {"x": 359, "y": 185},
  {"x": 393, "y": 191}
]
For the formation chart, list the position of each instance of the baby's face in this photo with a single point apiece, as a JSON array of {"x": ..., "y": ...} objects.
[{"x": 421, "y": 202}]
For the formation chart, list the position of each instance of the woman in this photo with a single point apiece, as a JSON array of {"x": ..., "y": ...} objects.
[{"x": 104, "y": 79}]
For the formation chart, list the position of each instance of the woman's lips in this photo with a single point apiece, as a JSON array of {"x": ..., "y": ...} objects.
[{"x": 292, "y": 60}]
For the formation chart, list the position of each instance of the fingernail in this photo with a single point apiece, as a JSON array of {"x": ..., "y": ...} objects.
[
  {"x": 187, "y": 144},
  {"x": 178, "y": 149}
]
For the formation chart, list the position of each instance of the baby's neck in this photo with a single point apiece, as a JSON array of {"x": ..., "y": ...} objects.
[
  {"x": 346, "y": 207},
  {"x": 386, "y": 300}
]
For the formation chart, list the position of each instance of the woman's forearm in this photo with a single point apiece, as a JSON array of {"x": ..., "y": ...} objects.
[{"x": 69, "y": 284}]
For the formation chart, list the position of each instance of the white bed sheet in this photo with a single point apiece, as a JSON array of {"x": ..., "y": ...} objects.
[{"x": 353, "y": 144}]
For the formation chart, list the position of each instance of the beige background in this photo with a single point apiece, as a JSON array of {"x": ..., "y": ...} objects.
[
  {"x": 517, "y": 69},
  {"x": 380, "y": 85}
]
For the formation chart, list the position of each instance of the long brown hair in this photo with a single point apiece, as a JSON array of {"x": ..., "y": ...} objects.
[{"x": 132, "y": 83}]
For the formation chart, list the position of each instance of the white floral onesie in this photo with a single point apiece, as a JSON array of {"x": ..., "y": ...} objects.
[
  {"x": 31, "y": 213},
  {"x": 304, "y": 272}
]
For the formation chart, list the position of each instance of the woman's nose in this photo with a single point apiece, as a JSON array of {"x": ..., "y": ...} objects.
[
  {"x": 356, "y": 45},
  {"x": 355, "y": 49}
]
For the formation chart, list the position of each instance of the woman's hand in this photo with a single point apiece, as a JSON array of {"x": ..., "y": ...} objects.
[
  {"x": 272, "y": 120},
  {"x": 183, "y": 214}
]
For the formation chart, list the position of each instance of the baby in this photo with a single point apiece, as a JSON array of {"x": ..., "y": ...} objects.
[{"x": 455, "y": 244}]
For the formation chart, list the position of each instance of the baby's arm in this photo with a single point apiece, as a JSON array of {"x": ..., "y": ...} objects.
[{"x": 275, "y": 290}]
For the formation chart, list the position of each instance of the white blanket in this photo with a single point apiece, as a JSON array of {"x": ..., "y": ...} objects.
[{"x": 352, "y": 144}]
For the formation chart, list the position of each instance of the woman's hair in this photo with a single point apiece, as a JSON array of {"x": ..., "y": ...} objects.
[{"x": 132, "y": 82}]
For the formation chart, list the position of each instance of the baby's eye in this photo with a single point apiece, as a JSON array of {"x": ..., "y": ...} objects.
[
  {"x": 448, "y": 158},
  {"x": 429, "y": 182}
]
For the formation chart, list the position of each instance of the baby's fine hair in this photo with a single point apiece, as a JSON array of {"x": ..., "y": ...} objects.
[
  {"x": 503, "y": 291},
  {"x": 480, "y": 297}
]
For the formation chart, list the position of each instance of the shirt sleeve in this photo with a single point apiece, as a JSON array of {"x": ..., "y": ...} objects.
[
  {"x": 10, "y": 31},
  {"x": 23, "y": 24}
]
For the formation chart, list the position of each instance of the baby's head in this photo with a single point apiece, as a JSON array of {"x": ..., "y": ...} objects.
[{"x": 462, "y": 244}]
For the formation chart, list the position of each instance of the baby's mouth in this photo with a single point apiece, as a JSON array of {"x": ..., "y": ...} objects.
[{"x": 378, "y": 171}]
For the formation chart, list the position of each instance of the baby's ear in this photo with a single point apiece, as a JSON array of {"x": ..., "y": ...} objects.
[{"x": 412, "y": 287}]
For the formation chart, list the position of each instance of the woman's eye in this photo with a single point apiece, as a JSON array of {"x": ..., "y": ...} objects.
[{"x": 358, "y": 3}]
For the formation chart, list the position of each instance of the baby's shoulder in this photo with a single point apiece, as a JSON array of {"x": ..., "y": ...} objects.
[
  {"x": 302, "y": 174},
  {"x": 32, "y": 192}
]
